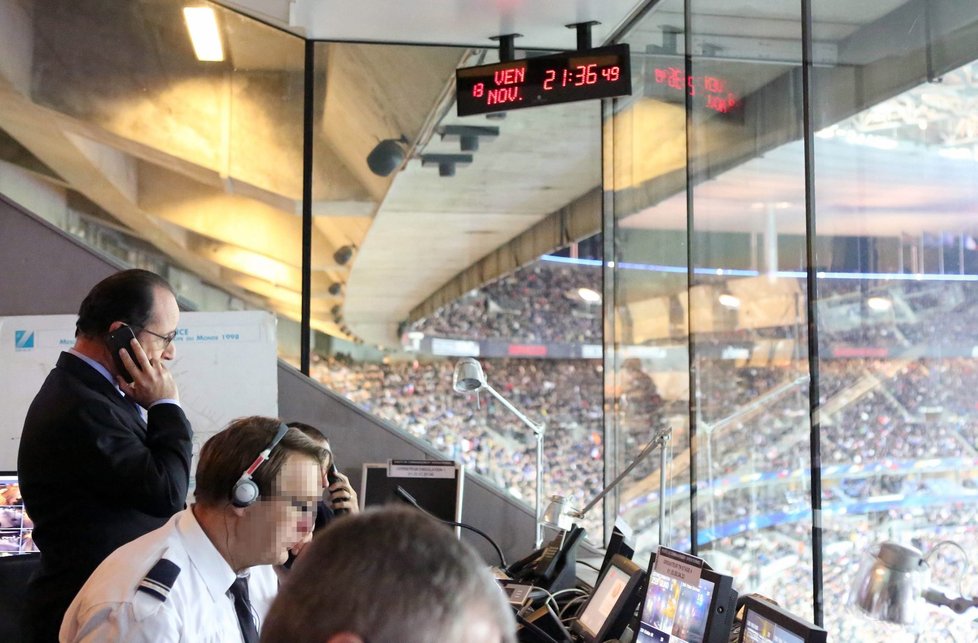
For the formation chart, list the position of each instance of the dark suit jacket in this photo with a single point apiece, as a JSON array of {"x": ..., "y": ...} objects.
[{"x": 93, "y": 476}]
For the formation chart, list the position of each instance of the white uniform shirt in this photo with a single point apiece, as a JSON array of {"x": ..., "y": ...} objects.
[{"x": 197, "y": 607}]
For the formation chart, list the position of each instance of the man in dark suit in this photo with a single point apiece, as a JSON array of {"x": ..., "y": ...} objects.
[{"x": 103, "y": 461}]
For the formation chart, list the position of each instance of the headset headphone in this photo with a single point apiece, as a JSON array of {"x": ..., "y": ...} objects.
[{"x": 245, "y": 491}]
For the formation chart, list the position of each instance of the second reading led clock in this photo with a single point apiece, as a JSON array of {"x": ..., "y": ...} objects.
[{"x": 544, "y": 80}]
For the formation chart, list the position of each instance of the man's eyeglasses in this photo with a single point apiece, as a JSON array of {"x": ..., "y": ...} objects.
[{"x": 166, "y": 338}]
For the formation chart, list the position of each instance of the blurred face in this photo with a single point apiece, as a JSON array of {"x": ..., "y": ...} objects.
[
  {"x": 272, "y": 525},
  {"x": 156, "y": 337},
  {"x": 327, "y": 462}
]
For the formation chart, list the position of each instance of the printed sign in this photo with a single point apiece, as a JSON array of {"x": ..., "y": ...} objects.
[
  {"x": 226, "y": 366},
  {"x": 421, "y": 469},
  {"x": 676, "y": 564}
]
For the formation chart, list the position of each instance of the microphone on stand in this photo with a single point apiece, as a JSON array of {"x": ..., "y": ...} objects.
[
  {"x": 403, "y": 494},
  {"x": 657, "y": 441}
]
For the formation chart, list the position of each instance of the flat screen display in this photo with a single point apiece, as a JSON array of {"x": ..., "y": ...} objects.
[
  {"x": 675, "y": 612},
  {"x": 759, "y": 629},
  {"x": 765, "y": 622},
  {"x": 605, "y": 598},
  {"x": 436, "y": 485},
  {"x": 16, "y": 528}
]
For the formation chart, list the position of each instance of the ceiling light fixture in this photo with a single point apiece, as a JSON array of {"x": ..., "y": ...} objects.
[{"x": 204, "y": 34}]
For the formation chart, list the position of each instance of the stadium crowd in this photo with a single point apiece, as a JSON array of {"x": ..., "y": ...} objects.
[
  {"x": 751, "y": 419},
  {"x": 537, "y": 303},
  {"x": 417, "y": 397}
]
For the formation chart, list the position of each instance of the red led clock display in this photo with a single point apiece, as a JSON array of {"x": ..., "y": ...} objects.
[{"x": 544, "y": 80}]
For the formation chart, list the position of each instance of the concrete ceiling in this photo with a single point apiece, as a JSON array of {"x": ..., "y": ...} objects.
[
  {"x": 205, "y": 162},
  {"x": 446, "y": 22}
]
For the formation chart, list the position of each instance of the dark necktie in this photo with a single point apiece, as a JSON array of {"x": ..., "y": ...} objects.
[
  {"x": 140, "y": 411},
  {"x": 242, "y": 608}
]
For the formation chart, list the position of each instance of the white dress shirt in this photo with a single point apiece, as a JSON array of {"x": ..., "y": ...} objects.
[{"x": 196, "y": 607}]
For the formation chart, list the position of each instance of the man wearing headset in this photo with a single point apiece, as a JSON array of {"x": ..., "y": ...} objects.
[
  {"x": 105, "y": 452},
  {"x": 207, "y": 574}
]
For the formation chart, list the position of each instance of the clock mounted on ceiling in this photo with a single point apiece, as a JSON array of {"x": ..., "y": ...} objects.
[{"x": 603, "y": 72}]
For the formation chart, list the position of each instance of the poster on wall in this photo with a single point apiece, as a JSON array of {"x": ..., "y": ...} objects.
[{"x": 225, "y": 366}]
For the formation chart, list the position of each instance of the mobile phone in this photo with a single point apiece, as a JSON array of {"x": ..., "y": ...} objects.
[
  {"x": 121, "y": 338},
  {"x": 330, "y": 479}
]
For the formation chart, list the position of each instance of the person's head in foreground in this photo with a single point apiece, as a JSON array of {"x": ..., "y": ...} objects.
[{"x": 389, "y": 575}]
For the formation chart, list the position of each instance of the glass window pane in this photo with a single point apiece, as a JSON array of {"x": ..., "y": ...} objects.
[
  {"x": 746, "y": 300},
  {"x": 646, "y": 356},
  {"x": 711, "y": 290},
  {"x": 896, "y": 176},
  {"x": 445, "y": 264}
]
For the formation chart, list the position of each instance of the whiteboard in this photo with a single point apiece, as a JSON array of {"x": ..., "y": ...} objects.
[{"x": 225, "y": 365}]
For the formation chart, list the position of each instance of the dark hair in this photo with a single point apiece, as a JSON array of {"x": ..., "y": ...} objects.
[
  {"x": 309, "y": 430},
  {"x": 388, "y": 574},
  {"x": 226, "y": 455},
  {"x": 318, "y": 437},
  {"x": 126, "y": 296}
]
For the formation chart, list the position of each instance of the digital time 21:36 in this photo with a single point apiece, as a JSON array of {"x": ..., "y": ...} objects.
[
  {"x": 509, "y": 82},
  {"x": 542, "y": 80}
]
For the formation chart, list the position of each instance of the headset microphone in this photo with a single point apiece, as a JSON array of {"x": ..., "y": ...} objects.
[{"x": 245, "y": 491}]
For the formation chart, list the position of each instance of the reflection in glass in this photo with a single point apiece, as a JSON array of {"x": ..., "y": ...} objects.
[
  {"x": 894, "y": 173},
  {"x": 894, "y": 181},
  {"x": 536, "y": 307}
]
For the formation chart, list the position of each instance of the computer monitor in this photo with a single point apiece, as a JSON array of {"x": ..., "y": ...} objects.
[
  {"x": 617, "y": 545},
  {"x": 675, "y": 612},
  {"x": 435, "y": 484},
  {"x": 764, "y": 622},
  {"x": 16, "y": 528},
  {"x": 612, "y": 603}
]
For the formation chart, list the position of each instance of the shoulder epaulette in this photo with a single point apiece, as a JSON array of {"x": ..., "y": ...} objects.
[{"x": 159, "y": 580}]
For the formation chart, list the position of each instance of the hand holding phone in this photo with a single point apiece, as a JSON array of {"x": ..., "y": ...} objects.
[
  {"x": 340, "y": 492},
  {"x": 145, "y": 379},
  {"x": 121, "y": 338}
]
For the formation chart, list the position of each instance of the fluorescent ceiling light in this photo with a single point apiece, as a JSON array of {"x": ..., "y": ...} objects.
[
  {"x": 255, "y": 265},
  {"x": 202, "y": 25}
]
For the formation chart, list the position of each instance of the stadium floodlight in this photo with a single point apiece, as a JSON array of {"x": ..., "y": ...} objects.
[
  {"x": 893, "y": 583},
  {"x": 470, "y": 378}
]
